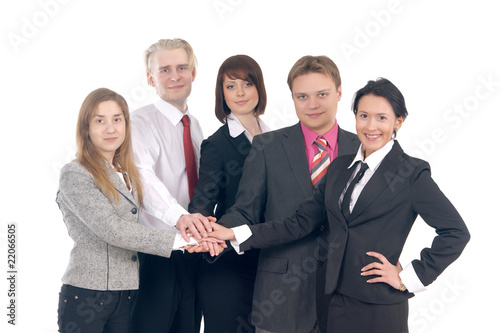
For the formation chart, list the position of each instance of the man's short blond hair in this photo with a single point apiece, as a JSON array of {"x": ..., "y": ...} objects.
[{"x": 170, "y": 44}]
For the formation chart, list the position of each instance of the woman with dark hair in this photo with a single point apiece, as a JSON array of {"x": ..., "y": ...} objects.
[
  {"x": 100, "y": 196},
  {"x": 370, "y": 201},
  {"x": 225, "y": 287}
]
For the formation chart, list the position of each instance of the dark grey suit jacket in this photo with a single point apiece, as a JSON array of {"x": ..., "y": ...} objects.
[
  {"x": 275, "y": 181},
  {"x": 399, "y": 191}
]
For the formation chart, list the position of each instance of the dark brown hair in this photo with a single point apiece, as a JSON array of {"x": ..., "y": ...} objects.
[{"x": 240, "y": 67}]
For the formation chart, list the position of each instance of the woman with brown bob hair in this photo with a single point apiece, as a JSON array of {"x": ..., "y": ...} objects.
[
  {"x": 225, "y": 287},
  {"x": 99, "y": 196}
]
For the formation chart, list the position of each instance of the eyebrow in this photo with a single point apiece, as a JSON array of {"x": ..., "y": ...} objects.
[
  {"x": 168, "y": 66},
  {"x": 115, "y": 115},
  {"x": 314, "y": 92}
]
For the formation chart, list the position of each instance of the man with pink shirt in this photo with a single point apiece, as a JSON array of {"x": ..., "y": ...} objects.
[{"x": 278, "y": 175}]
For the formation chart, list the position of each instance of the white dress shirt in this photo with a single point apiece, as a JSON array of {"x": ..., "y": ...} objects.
[
  {"x": 159, "y": 155},
  {"x": 408, "y": 275}
]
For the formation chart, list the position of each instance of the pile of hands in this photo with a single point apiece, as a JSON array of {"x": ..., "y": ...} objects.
[{"x": 209, "y": 235}]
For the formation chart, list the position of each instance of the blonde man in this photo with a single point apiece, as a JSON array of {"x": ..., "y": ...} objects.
[{"x": 166, "y": 140}]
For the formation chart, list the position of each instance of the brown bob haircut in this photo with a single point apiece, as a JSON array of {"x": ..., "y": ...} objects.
[
  {"x": 244, "y": 68},
  {"x": 314, "y": 64}
]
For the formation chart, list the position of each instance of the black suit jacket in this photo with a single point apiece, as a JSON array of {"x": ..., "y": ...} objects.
[
  {"x": 400, "y": 189},
  {"x": 275, "y": 181},
  {"x": 221, "y": 164}
]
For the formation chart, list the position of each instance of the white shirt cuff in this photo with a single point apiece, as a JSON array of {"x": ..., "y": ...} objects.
[
  {"x": 241, "y": 234},
  {"x": 173, "y": 215},
  {"x": 410, "y": 279},
  {"x": 179, "y": 242}
]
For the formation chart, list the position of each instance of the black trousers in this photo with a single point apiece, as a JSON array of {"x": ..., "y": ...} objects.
[
  {"x": 166, "y": 301},
  {"x": 225, "y": 289},
  {"x": 348, "y": 315},
  {"x": 93, "y": 311}
]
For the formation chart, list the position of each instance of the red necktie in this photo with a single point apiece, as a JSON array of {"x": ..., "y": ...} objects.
[{"x": 191, "y": 171}]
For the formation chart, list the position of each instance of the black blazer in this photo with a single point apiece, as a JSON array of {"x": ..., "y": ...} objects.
[
  {"x": 221, "y": 164},
  {"x": 275, "y": 181},
  {"x": 400, "y": 189}
]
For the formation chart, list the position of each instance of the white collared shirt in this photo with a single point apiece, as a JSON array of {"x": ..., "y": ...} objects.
[
  {"x": 373, "y": 162},
  {"x": 236, "y": 127},
  {"x": 157, "y": 137}
]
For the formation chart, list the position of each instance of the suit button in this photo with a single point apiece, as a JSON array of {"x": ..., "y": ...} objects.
[
  {"x": 320, "y": 263},
  {"x": 134, "y": 210},
  {"x": 322, "y": 228},
  {"x": 134, "y": 258}
]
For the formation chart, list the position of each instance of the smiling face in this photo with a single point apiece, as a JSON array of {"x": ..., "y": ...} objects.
[
  {"x": 241, "y": 96},
  {"x": 316, "y": 97},
  {"x": 375, "y": 122},
  {"x": 107, "y": 129},
  {"x": 171, "y": 76}
]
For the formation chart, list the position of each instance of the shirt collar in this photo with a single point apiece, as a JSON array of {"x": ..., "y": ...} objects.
[
  {"x": 236, "y": 128},
  {"x": 310, "y": 136},
  {"x": 375, "y": 158},
  {"x": 171, "y": 112}
]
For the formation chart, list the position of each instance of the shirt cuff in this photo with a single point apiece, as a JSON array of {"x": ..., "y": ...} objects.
[
  {"x": 179, "y": 242},
  {"x": 410, "y": 279},
  {"x": 241, "y": 234},
  {"x": 173, "y": 215}
]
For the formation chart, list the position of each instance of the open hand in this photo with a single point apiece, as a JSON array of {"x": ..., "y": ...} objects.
[
  {"x": 196, "y": 224},
  {"x": 388, "y": 272}
]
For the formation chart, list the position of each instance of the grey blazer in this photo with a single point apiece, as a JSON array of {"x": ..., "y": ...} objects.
[
  {"x": 106, "y": 235},
  {"x": 275, "y": 181}
]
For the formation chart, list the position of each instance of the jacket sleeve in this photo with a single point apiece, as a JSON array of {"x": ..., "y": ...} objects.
[
  {"x": 81, "y": 200},
  {"x": 438, "y": 212},
  {"x": 211, "y": 178},
  {"x": 308, "y": 217}
]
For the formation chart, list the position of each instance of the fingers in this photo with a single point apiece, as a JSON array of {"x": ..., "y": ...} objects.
[
  {"x": 183, "y": 231},
  {"x": 221, "y": 232},
  {"x": 387, "y": 272},
  {"x": 378, "y": 256},
  {"x": 372, "y": 266},
  {"x": 198, "y": 225}
]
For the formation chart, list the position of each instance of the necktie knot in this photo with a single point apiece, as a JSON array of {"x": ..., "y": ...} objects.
[
  {"x": 321, "y": 143},
  {"x": 362, "y": 170},
  {"x": 185, "y": 121}
]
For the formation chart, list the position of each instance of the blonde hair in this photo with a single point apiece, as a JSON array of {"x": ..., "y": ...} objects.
[
  {"x": 90, "y": 158},
  {"x": 170, "y": 44}
]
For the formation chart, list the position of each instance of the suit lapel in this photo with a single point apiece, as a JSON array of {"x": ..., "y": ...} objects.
[
  {"x": 293, "y": 144},
  {"x": 120, "y": 186},
  {"x": 337, "y": 179},
  {"x": 379, "y": 181}
]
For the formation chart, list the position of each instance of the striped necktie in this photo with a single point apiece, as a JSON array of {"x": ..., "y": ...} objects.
[{"x": 320, "y": 162}]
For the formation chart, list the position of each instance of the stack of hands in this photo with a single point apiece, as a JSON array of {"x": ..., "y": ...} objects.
[{"x": 210, "y": 236}]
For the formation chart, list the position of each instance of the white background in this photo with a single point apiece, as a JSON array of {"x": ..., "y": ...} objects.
[{"x": 442, "y": 55}]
